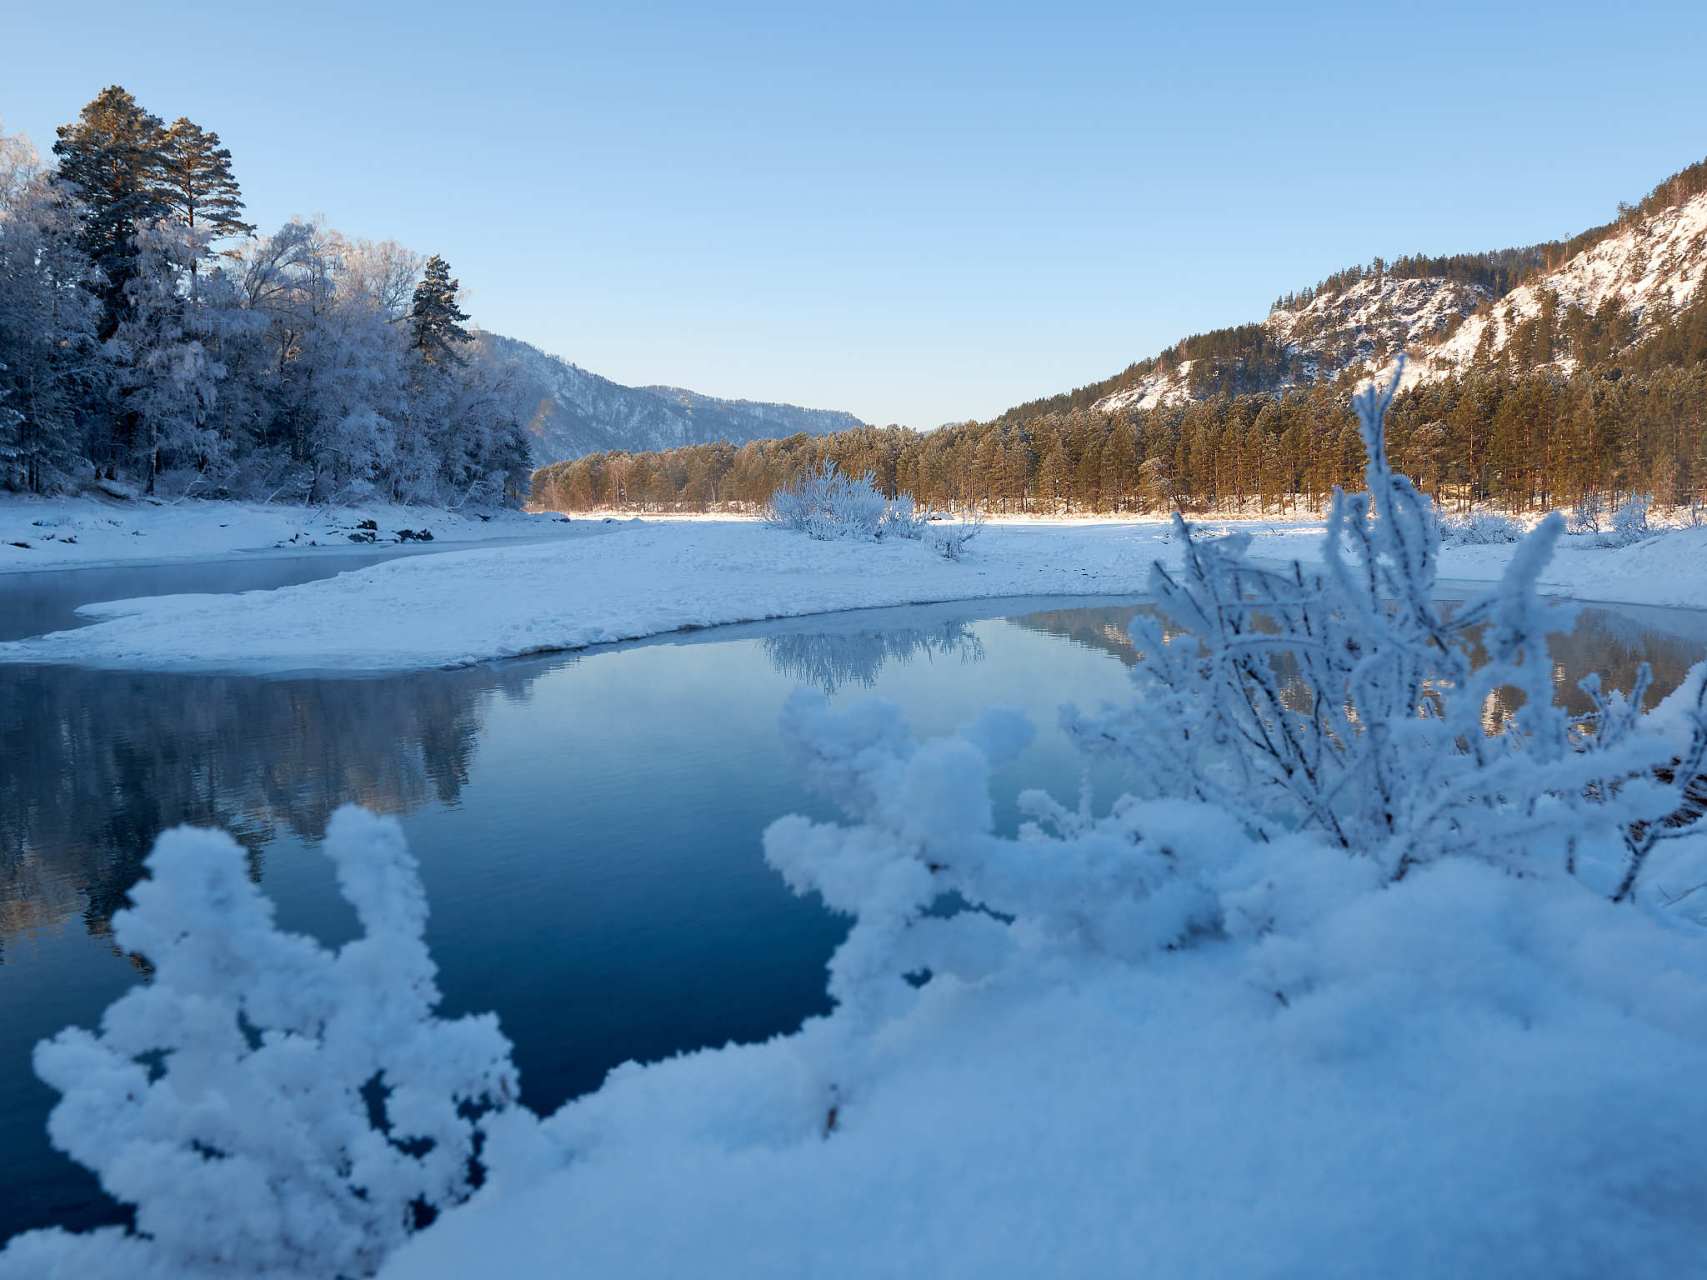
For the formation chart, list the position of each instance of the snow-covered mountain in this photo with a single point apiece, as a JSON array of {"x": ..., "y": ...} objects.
[
  {"x": 571, "y": 412},
  {"x": 1362, "y": 324},
  {"x": 1446, "y": 313},
  {"x": 1654, "y": 264}
]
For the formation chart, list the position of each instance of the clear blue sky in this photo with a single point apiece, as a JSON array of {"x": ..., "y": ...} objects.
[{"x": 915, "y": 212}]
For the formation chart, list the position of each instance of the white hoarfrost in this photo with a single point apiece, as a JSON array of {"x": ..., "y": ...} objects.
[{"x": 1377, "y": 970}]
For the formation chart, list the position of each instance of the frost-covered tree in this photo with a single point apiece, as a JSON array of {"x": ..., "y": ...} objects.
[
  {"x": 435, "y": 318},
  {"x": 383, "y": 274},
  {"x": 826, "y": 502},
  {"x": 55, "y": 373},
  {"x": 9, "y": 419},
  {"x": 20, "y": 165},
  {"x": 270, "y": 1107},
  {"x": 340, "y": 377},
  {"x": 168, "y": 371}
]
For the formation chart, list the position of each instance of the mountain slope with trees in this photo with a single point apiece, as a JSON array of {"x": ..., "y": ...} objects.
[
  {"x": 1539, "y": 377},
  {"x": 1560, "y": 304},
  {"x": 570, "y": 412}
]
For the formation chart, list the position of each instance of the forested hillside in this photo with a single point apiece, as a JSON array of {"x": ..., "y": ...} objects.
[
  {"x": 1538, "y": 376},
  {"x": 1563, "y": 304},
  {"x": 570, "y": 411}
]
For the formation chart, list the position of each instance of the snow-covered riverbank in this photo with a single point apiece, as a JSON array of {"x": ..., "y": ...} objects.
[
  {"x": 85, "y": 532},
  {"x": 644, "y": 578},
  {"x": 1477, "y": 1081}
]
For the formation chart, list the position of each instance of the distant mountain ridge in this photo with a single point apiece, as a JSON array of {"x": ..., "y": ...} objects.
[
  {"x": 571, "y": 412},
  {"x": 1531, "y": 308}
]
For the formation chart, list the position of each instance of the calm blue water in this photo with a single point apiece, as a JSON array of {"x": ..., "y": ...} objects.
[{"x": 588, "y": 826}]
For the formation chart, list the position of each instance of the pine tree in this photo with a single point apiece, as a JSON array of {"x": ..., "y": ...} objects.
[
  {"x": 197, "y": 185},
  {"x": 113, "y": 156},
  {"x": 435, "y": 319}
]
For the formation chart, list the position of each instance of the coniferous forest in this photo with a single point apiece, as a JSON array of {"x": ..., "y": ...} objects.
[
  {"x": 1521, "y": 442},
  {"x": 149, "y": 337},
  {"x": 1573, "y": 403}
]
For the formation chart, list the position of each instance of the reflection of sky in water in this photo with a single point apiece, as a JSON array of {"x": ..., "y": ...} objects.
[{"x": 588, "y": 827}]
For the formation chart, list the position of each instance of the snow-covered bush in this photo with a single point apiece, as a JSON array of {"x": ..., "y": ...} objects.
[
  {"x": 1630, "y": 521},
  {"x": 903, "y": 518},
  {"x": 1347, "y": 702},
  {"x": 1587, "y": 516},
  {"x": 951, "y": 540},
  {"x": 827, "y": 503},
  {"x": 269, "y": 1107},
  {"x": 1478, "y": 529}
]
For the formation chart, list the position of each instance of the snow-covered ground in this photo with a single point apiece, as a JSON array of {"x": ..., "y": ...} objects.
[
  {"x": 1477, "y": 1081},
  {"x": 1411, "y": 1011},
  {"x": 63, "y": 533},
  {"x": 642, "y": 578}
]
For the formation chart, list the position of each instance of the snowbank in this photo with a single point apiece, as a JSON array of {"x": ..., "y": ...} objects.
[
  {"x": 1483, "y": 1079},
  {"x": 63, "y": 533},
  {"x": 654, "y": 576}
]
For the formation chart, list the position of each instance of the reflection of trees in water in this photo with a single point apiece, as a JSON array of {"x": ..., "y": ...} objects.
[
  {"x": 95, "y": 764},
  {"x": 1107, "y": 630},
  {"x": 833, "y": 659},
  {"x": 1613, "y": 646}
]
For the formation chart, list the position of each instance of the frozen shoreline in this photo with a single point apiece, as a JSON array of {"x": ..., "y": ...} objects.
[
  {"x": 560, "y": 590},
  {"x": 105, "y": 533}
]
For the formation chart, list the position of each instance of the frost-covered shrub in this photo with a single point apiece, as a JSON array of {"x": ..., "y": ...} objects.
[
  {"x": 1479, "y": 528},
  {"x": 1346, "y": 702},
  {"x": 270, "y": 1107},
  {"x": 827, "y": 503},
  {"x": 1587, "y": 516},
  {"x": 951, "y": 540},
  {"x": 902, "y": 518},
  {"x": 1630, "y": 521}
]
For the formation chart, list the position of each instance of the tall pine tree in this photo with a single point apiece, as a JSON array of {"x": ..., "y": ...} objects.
[
  {"x": 434, "y": 318},
  {"x": 197, "y": 185},
  {"x": 113, "y": 155}
]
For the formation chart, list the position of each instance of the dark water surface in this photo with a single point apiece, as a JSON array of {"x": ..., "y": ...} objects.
[{"x": 588, "y": 826}]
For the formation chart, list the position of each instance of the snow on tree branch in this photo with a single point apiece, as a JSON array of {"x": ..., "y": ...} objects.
[{"x": 1353, "y": 702}]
